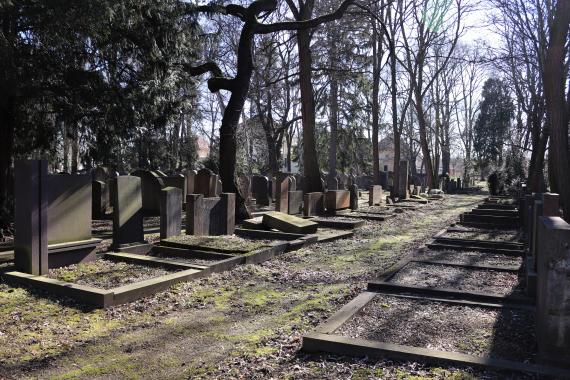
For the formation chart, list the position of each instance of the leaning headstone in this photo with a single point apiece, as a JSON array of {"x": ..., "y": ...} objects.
[
  {"x": 289, "y": 223},
  {"x": 282, "y": 192},
  {"x": 354, "y": 197},
  {"x": 31, "y": 217},
  {"x": 126, "y": 198},
  {"x": 553, "y": 291},
  {"x": 210, "y": 216},
  {"x": 337, "y": 200},
  {"x": 295, "y": 202},
  {"x": 314, "y": 204},
  {"x": 260, "y": 190},
  {"x": 190, "y": 181},
  {"x": 206, "y": 183},
  {"x": 403, "y": 180},
  {"x": 375, "y": 195},
  {"x": 170, "y": 212}
]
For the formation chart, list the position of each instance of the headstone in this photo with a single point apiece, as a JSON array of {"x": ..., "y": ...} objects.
[
  {"x": 178, "y": 181},
  {"x": 375, "y": 195},
  {"x": 100, "y": 201},
  {"x": 337, "y": 200},
  {"x": 553, "y": 291},
  {"x": 31, "y": 217},
  {"x": 353, "y": 197},
  {"x": 218, "y": 188},
  {"x": 210, "y": 216},
  {"x": 282, "y": 192},
  {"x": 260, "y": 190},
  {"x": 314, "y": 204},
  {"x": 385, "y": 168},
  {"x": 459, "y": 183},
  {"x": 295, "y": 202},
  {"x": 289, "y": 223},
  {"x": 206, "y": 183},
  {"x": 273, "y": 188},
  {"x": 190, "y": 181},
  {"x": 292, "y": 183},
  {"x": 170, "y": 212},
  {"x": 332, "y": 183},
  {"x": 151, "y": 184},
  {"x": 126, "y": 198}
]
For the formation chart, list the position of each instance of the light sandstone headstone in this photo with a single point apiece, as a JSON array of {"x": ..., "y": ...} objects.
[
  {"x": 170, "y": 212},
  {"x": 126, "y": 198},
  {"x": 375, "y": 195},
  {"x": 289, "y": 223},
  {"x": 337, "y": 200},
  {"x": 31, "y": 217}
]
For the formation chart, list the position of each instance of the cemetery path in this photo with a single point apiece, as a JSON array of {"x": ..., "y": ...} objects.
[{"x": 245, "y": 323}]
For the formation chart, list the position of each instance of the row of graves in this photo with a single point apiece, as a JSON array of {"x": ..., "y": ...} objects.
[
  {"x": 490, "y": 292},
  {"x": 55, "y": 251}
]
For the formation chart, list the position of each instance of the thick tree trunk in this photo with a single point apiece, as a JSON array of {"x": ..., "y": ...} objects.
[
  {"x": 6, "y": 155},
  {"x": 422, "y": 124},
  {"x": 395, "y": 126},
  {"x": 310, "y": 158},
  {"x": 557, "y": 109},
  {"x": 375, "y": 105},
  {"x": 333, "y": 111}
]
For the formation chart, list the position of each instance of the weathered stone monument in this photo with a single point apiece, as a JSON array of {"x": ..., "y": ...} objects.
[
  {"x": 260, "y": 190},
  {"x": 170, "y": 212},
  {"x": 282, "y": 192},
  {"x": 375, "y": 195},
  {"x": 403, "y": 180},
  {"x": 553, "y": 290},
  {"x": 332, "y": 182},
  {"x": 210, "y": 216},
  {"x": 314, "y": 204},
  {"x": 31, "y": 240},
  {"x": 151, "y": 184},
  {"x": 353, "y": 197},
  {"x": 101, "y": 200},
  {"x": 289, "y": 223},
  {"x": 206, "y": 183},
  {"x": 295, "y": 200},
  {"x": 126, "y": 197},
  {"x": 337, "y": 200},
  {"x": 190, "y": 181}
]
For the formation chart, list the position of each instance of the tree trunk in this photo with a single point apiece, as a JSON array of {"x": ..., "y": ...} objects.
[
  {"x": 375, "y": 105},
  {"x": 557, "y": 108},
  {"x": 422, "y": 123},
  {"x": 6, "y": 155},
  {"x": 395, "y": 126},
  {"x": 333, "y": 110},
  {"x": 310, "y": 158}
]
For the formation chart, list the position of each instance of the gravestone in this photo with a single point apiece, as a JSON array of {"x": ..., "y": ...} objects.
[
  {"x": 292, "y": 183},
  {"x": 459, "y": 183},
  {"x": 260, "y": 190},
  {"x": 337, "y": 200},
  {"x": 553, "y": 290},
  {"x": 210, "y": 216},
  {"x": 282, "y": 192},
  {"x": 151, "y": 184},
  {"x": 31, "y": 216},
  {"x": 206, "y": 183},
  {"x": 295, "y": 202},
  {"x": 126, "y": 198},
  {"x": 354, "y": 197},
  {"x": 384, "y": 179},
  {"x": 273, "y": 188},
  {"x": 170, "y": 212},
  {"x": 314, "y": 204},
  {"x": 403, "y": 185},
  {"x": 100, "y": 201},
  {"x": 332, "y": 182},
  {"x": 364, "y": 181},
  {"x": 191, "y": 181},
  {"x": 289, "y": 223},
  {"x": 178, "y": 181},
  {"x": 375, "y": 195}
]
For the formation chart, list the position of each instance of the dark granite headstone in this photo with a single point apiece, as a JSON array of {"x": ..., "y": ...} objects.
[
  {"x": 190, "y": 181},
  {"x": 210, "y": 216},
  {"x": 100, "y": 202},
  {"x": 126, "y": 198},
  {"x": 260, "y": 190},
  {"x": 178, "y": 181},
  {"x": 206, "y": 183},
  {"x": 31, "y": 217},
  {"x": 353, "y": 197},
  {"x": 151, "y": 184},
  {"x": 170, "y": 212}
]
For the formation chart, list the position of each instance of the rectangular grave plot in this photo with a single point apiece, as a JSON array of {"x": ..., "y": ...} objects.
[
  {"x": 437, "y": 276},
  {"x": 488, "y": 235},
  {"x": 470, "y": 258},
  {"x": 224, "y": 244},
  {"x": 502, "y": 333},
  {"x": 339, "y": 222}
]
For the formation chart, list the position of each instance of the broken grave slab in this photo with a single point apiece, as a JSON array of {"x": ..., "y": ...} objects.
[{"x": 289, "y": 223}]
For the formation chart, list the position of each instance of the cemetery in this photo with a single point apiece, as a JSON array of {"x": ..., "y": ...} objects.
[{"x": 285, "y": 190}]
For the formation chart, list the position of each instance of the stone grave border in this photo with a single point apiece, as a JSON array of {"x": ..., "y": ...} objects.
[
  {"x": 323, "y": 338},
  {"x": 104, "y": 298},
  {"x": 439, "y": 242},
  {"x": 323, "y": 221},
  {"x": 294, "y": 239}
]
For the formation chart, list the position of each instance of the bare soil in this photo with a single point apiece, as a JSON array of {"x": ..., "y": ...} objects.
[{"x": 500, "y": 333}]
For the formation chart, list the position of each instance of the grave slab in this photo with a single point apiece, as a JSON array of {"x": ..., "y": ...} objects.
[{"x": 289, "y": 223}]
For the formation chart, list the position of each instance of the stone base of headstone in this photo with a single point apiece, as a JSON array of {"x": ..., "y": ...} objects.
[{"x": 337, "y": 200}]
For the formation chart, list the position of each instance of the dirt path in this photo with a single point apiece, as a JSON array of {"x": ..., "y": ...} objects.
[{"x": 245, "y": 323}]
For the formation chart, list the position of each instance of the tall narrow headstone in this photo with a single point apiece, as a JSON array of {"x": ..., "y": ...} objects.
[
  {"x": 126, "y": 199},
  {"x": 31, "y": 240},
  {"x": 206, "y": 183},
  {"x": 354, "y": 197},
  {"x": 375, "y": 195},
  {"x": 100, "y": 199},
  {"x": 403, "y": 180},
  {"x": 260, "y": 190},
  {"x": 170, "y": 212},
  {"x": 282, "y": 192},
  {"x": 314, "y": 204},
  {"x": 190, "y": 181},
  {"x": 194, "y": 214}
]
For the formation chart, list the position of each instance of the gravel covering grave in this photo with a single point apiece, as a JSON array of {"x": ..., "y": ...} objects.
[
  {"x": 446, "y": 276},
  {"x": 107, "y": 274},
  {"x": 223, "y": 243},
  {"x": 500, "y": 333},
  {"x": 493, "y": 235},
  {"x": 470, "y": 258},
  {"x": 188, "y": 260}
]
